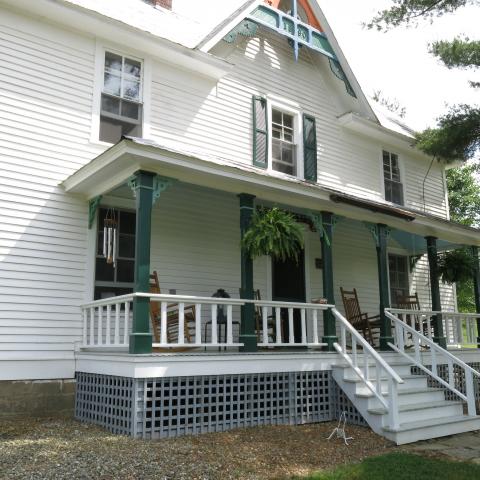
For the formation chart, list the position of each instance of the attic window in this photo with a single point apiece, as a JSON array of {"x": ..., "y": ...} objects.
[
  {"x": 166, "y": 4},
  {"x": 286, "y": 6},
  {"x": 304, "y": 11}
]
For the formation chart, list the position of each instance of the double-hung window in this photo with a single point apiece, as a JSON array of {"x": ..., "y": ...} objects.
[
  {"x": 121, "y": 98},
  {"x": 284, "y": 140},
  {"x": 284, "y": 149},
  {"x": 398, "y": 272},
  {"x": 392, "y": 178}
]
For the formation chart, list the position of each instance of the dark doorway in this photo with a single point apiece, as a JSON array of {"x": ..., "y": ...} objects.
[{"x": 288, "y": 285}]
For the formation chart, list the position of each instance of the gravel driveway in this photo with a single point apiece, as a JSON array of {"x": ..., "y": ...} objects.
[{"x": 64, "y": 448}]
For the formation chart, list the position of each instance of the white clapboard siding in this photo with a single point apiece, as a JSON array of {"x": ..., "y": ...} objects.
[{"x": 45, "y": 115}]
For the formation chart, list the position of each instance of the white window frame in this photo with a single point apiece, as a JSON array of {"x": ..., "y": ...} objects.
[
  {"x": 145, "y": 88},
  {"x": 402, "y": 174},
  {"x": 293, "y": 109}
]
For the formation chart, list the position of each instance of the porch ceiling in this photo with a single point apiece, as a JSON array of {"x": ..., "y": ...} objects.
[{"x": 116, "y": 165}]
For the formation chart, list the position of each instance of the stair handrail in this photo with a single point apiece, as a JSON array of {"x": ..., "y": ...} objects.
[
  {"x": 391, "y": 405},
  {"x": 402, "y": 328}
]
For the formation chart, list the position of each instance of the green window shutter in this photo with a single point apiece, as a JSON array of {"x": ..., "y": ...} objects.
[
  {"x": 309, "y": 148},
  {"x": 260, "y": 132}
]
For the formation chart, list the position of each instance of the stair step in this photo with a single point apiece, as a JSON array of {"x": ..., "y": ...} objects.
[
  {"x": 398, "y": 363},
  {"x": 407, "y": 391},
  {"x": 384, "y": 379},
  {"x": 410, "y": 432},
  {"x": 419, "y": 406}
]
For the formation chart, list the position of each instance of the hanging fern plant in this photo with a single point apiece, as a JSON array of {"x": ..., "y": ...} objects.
[
  {"x": 455, "y": 266},
  {"x": 273, "y": 232}
]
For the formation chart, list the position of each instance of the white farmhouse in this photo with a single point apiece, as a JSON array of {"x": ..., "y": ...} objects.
[{"x": 139, "y": 138}]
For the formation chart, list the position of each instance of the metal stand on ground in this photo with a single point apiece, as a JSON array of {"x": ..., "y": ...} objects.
[{"x": 339, "y": 430}]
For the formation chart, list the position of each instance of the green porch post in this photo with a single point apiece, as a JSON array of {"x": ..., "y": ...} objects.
[
  {"x": 382, "y": 233},
  {"x": 141, "y": 338},
  {"x": 326, "y": 238},
  {"x": 476, "y": 288},
  {"x": 248, "y": 335},
  {"x": 432, "y": 254}
]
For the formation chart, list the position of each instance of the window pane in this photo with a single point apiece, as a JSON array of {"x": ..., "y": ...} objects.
[
  {"x": 104, "y": 271},
  {"x": 288, "y": 120},
  {"x": 125, "y": 270},
  {"x": 126, "y": 247},
  {"x": 127, "y": 222},
  {"x": 113, "y": 62},
  {"x": 276, "y": 149},
  {"x": 386, "y": 158},
  {"x": 131, "y": 89},
  {"x": 110, "y": 104},
  {"x": 112, "y": 130},
  {"x": 131, "y": 110},
  {"x": 276, "y": 117},
  {"x": 132, "y": 67},
  {"x": 111, "y": 84}
]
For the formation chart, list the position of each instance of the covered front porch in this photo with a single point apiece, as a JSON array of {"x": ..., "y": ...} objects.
[{"x": 185, "y": 217}]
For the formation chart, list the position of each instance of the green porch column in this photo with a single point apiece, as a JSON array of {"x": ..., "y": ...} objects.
[
  {"x": 382, "y": 233},
  {"x": 248, "y": 335},
  {"x": 326, "y": 239},
  {"x": 141, "y": 338},
  {"x": 476, "y": 288},
  {"x": 432, "y": 254}
]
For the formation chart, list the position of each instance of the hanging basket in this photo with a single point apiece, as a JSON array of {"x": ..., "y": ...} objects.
[
  {"x": 275, "y": 233},
  {"x": 455, "y": 266}
]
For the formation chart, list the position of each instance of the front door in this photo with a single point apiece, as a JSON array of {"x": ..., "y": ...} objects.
[{"x": 288, "y": 285}]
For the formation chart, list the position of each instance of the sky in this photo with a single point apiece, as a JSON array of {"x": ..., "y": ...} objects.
[{"x": 398, "y": 62}]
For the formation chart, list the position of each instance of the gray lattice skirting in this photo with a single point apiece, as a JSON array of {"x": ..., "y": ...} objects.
[{"x": 169, "y": 407}]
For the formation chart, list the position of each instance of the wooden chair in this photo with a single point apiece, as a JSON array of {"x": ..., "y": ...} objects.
[
  {"x": 360, "y": 320},
  {"x": 172, "y": 319}
]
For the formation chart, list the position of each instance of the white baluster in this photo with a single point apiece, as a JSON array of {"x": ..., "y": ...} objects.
[
  {"x": 470, "y": 392},
  {"x": 429, "y": 327},
  {"x": 451, "y": 375},
  {"x": 265, "y": 324},
  {"x": 303, "y": 326},
  {"x": 291, "y": 333},
  {"x": 117, "y": 324},
  {"x": 447, "y": 331},
  {"x": 85, "y": 326},
  {"x": 354, "y": 352},
  {"x": 378, "y": 372},
  {"x": 401, "y": 336},
  {"x": 278, "y": 325},
  {"x": 229, "y": 325},
  {"x": 92, "y": 326},
  {"x": 181, "y": 323},
  {"x": 214, "y": 339},
  {"x": 434, "y": 361},
  {"x": 343, "y": 337},
  {"x": 100, "y": 325},
  {"x": 459, "y": 325},
  {"x": 107, "y": 333},
  {"x": 198, "y": 323},
  {"x": 315, "y": 326},
  {"x": 163, "y": 323},
  {"x": 126, "y": 324},
  {"x": 366, "y": 371}
]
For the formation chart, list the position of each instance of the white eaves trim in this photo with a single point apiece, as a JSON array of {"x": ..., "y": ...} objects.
[
  {"x": 94, "y": 24},
  {"x": 363, "y": 126}
]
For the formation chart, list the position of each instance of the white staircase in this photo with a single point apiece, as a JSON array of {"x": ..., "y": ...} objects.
[
  {"x": 423, "y": 412},
  {"x": 394, "y": 402}
]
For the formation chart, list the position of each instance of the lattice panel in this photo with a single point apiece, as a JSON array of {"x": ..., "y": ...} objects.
[
  {"x": 105, "y": 400},
  {"x": 192, "y": 405},
  {"x": 341, "y": 403}
]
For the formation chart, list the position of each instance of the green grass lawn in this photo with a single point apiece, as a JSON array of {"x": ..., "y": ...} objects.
[{"x": 401, "y": 466}]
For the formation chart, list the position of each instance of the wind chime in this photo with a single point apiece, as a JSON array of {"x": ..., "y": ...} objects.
[{"x": 110, "y": 225}]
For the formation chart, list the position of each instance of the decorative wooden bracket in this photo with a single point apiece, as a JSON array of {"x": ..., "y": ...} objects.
[
  {"x": 160, "y": 184},
  {"x": 374, "y": 231},
  {"x": 317, "y": 221},
  {"x": 247, "y": 28},
  {"x": 92, "y": 210}
]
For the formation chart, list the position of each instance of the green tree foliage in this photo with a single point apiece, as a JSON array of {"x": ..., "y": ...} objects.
[
  {"x": 273, "y": 232},
  {"x": 457, "y": 135},
  {"x": 464, "y": 195}
]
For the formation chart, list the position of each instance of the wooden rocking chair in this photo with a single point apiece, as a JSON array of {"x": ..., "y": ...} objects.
[
  {"x": 411, "y": 302},
  {"x": 172, "y": 320},
  {"x": 360, "y": 320}
]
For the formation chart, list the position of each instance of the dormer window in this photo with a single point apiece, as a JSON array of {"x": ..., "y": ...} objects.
[
  {"x": 284, "y": 151},
  {"x": 392, "y": 178}
]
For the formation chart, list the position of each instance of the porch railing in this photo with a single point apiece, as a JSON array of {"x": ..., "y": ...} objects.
[
  {"x": 406, "y": 337},
  {"x": 350, "y": 343},
  {"x": 460, "y": 329},
  {"x": 277, "y": 322},
  {"x": 185, "y": 322}
]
